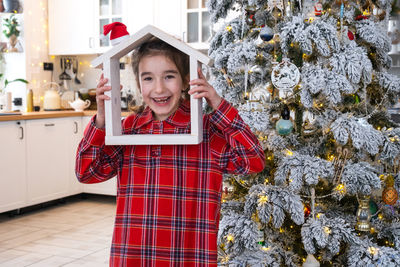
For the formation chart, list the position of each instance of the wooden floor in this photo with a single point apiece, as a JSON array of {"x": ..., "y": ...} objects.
[{"x": 75, "y": 233}]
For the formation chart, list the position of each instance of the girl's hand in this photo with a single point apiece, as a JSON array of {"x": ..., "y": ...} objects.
[
  {"x": 100, "y": 97},
  {"x": 201, "y": 88}
]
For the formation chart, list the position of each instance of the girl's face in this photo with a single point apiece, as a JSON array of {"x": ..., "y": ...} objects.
[{"x": 161, "y": 85}]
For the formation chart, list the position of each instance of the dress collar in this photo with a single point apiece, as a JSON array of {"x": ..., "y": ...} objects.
[{"x": 180, "y": 118}]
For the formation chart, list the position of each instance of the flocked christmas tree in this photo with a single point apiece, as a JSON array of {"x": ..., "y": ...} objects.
[{"x": 311, "y": 79}]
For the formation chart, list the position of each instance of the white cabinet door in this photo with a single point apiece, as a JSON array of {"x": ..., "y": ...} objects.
[
  {"x": 48, "y": 149},
  {"x": 76, "y": 132},
  {"x": 72, "y": 27},
  {"x": 168, "y": 17},
  {"x": 141, "y": 13},
  {"x": 108, "y": 187},
  {"x": 12, "y": 165}
]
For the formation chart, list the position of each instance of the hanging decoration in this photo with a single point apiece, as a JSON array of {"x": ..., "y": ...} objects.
[
  {"x": 275, "y": 3},
  {"x": 318, "y": 9},
  {"x": 308, "y": 127},
  {"x": 284, "y": 126},
  {"x": 339, "y": 162},
  {"x": 250, "y": 16},
  {"x": 363, "y": 215},
  {"x": 266, "y": 34},
  {"x": 227, "y": 191},
  {"x": 261, "y": 94},
  {"x": 389, "y": 194},
  {"x": 285, "y": 76},
  {"x": 307, "y": 210},
  {"x": 311, "y": 261}
]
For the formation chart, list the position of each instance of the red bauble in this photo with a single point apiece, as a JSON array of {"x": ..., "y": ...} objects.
[
  {"x": 307, "y": 210},
  {"x": 350, "y": 35},
  {"x": 361, "y": 17}
]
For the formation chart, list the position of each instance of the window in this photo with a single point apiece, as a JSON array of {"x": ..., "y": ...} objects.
[
  {"x": 198, "y": 22},
  {"x": 110, "y": 11}
]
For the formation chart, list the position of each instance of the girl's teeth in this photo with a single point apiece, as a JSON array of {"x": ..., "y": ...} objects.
[{"x": 161, "y": 100}]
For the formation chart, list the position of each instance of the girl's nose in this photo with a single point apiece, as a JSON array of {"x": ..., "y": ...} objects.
[{"x": 159, "y": 87}]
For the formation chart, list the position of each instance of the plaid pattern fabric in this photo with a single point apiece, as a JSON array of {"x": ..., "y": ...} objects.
[{"x": 169, "y": 195}]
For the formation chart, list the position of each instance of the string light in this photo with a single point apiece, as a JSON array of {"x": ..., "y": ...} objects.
[
  {"x": 373, "y": 250},
  {"x": 262, "y": 200},
  {"x": 341, "y": 188},
  {"x": 229, "y": 28},
  {"x": 265, "y": 248},
  {"x": 230, "y": 238},
  {"x": 327, "y": 230},
  {"x": 289, "y": 153}
]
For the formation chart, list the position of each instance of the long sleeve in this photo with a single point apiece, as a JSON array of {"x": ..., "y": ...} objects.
[
  {"x": 96, "y": 162},
  {"x": 233, "y": 145}
]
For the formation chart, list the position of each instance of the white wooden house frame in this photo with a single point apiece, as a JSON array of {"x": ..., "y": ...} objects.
[{"x": 109, "y": 62}]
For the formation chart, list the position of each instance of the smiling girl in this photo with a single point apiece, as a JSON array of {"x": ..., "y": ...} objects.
[{"x": 168, "y": 197}]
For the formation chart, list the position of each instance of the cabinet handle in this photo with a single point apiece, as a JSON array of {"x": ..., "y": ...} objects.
[
  {"x": 183, "y": 36},
  {"x": 76, "y": 127},
  {"x": 22, "y": 132},
  {"x": 49, "y": 124},
  {"x": 91, "y": 42}
]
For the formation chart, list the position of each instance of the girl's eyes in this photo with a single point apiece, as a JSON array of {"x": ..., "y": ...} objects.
[{"x": 166, "y": 77}]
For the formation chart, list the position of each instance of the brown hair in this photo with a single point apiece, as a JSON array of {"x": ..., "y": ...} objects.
[{"x": 155, "y": 47}]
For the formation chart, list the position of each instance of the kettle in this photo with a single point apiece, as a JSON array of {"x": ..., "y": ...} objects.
[
  {"x": 52, "y": 99},
  {"x": 79, "y": 104}
]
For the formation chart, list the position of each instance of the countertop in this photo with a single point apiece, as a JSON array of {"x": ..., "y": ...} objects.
[{"x": 51, "y": 114}]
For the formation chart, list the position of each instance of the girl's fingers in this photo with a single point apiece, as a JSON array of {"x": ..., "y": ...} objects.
[
  {"x": 103, "y": 97},
  {"x": 198, "y": 82},
  {"x": 200, "y": 72}
]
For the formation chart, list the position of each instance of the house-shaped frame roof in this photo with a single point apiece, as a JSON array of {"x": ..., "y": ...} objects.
[{"x": 109, "y": 62}]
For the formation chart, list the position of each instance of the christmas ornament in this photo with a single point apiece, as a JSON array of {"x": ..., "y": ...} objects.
[
  {"x": 266, "y": 34},
  {"x": 350, "y": 35},
  {"x": 373, "y": 208},
  {"x": 118, "y": 32},
  {"x": 284, "y": 126},
  {"x": 260, "y": 93},
  {"x": 389, "y": 194},
  {"x": 363, "y": 215},
  {"x": 307, "y": 210},
  {"x": 308, "y": 127},
  {"x": 361, "y": 17},
  {"x": 285, "y": 76},
  {"x": 227, "y": 191},
  {"x": 275, "y": 3},
  {"x": 250, "y": 16},
  {"x": 311, "y": 261},
  {"x": 318, "y": 9}
]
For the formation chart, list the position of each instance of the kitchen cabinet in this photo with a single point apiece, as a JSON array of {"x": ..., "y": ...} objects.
[
  {"x": 76, "y": 133},
  {"x": 105, "y": 188},
  {"x": 168, "y": 17},
  {"x": 48, "y": 157},
  {"x": 71, "y": 27},
  {"x": 13, "y": 187},
  {"x": 76, "y": 27}
]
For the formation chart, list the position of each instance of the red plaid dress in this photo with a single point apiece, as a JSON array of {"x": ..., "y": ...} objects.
[{"x": 168, "y": 197}]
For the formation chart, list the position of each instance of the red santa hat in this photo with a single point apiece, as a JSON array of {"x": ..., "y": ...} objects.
[{"x": 118, "y": 32}]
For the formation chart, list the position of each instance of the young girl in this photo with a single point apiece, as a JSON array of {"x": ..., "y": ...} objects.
[{"x": 168, "y": 197}]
